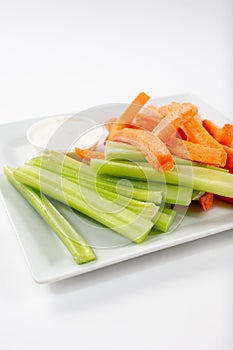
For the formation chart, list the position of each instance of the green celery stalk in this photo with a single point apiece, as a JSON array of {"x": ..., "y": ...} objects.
[
  {"x": 62, "y": 164},
  {"x": 182, "y": 161},
  {"x": 73, "y": 169},
  {"x": 132, "y": 204},
  {"x": 85, "y": 176},
  {"x": 138, "y": 194},
  {"x": 129, "y": 170},
  {"x": 130, "y": 224},
  {"x": 172, "y": 194},
  {"x": 163, "y": 221},
  {"x": 196, "y": 195},
  {"x": 105, "y": 189},
  {"x": 112, "y": 145},
  {"x": 74, "y": 242},
  {"x": 122, "y": 151},
  {"x": 199, "y": 178}
]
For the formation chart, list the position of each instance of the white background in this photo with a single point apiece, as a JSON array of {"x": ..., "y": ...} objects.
[{"x": 61, "y": 56}]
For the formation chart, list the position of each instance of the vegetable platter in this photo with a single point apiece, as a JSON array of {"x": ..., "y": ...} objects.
[{"x": 160, "y": 176}]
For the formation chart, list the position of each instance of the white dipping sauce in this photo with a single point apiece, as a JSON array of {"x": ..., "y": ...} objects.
[{"x": 64, "y": 133}]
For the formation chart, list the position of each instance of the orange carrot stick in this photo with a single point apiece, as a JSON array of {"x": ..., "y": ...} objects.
[
  {"x": 229, "y": 152},
  {"x": 145, "y": 122},
  {"x": 206, "y": 201},
  {"x": 108, "y": 124},
  {"x": 198, "y": 134},
  {"x": 225, "y": 199},
  {"x": 151, "y": 111},
  {"x": 226, "y": 137},
  {"x": 197, "y": 152},
  {"x": 86, "y": 154},
  {"x": 168, "y": 108},
  {"x": 111, "y": 126},
  {"x": 131, "y": 111},
  {"x": 153, "y": 108},
  {"x": 126, "y": 119},
  {"x": 223, "y": 136},
  {"x": 213, "y": 129},
  {"x": 151, "y": 146},
  {"x": 198, "y": 117},
  {"x": 149, "y": 118},
  {"x": 181, "y": 134},
  {"x": 168, "y": 126},
  {"x": 230, "y": 170},
  {"x": 114, "y": 126}
]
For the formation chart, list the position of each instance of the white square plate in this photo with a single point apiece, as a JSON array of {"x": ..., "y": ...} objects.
[{"x": 48, "y": 259}]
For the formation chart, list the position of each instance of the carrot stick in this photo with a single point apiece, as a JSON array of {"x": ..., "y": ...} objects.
[
  {"x": 108, "y": 124},
  {"x": 230, "y": 169},
  {"x": 225, "y": 199},
  {"x": 197, "y": 152},
  {"x": 181, "y": 134},
  {"x": 151, "y": 111},
  {"x": 145, "y": 122},
  {"x": 131, "y": 111},
  {"x": 198, "y": 134},
  {"x": 126, "y": 119},
  {"x": 168, "y": 126},
  {"x": 226, "y": 137},
  {"x": 168, "y": 108},
  {"x": 229, "y": 152},
  {"x": 213, "y": 129},
  {"x": 86, "y": 154},
  {"x": 149, "y": 118},
  {"x": 223, "y": 136},
  {"x": 154, "y": 150},
  {"x": 153, "y": 108},
  {"x": 112, "y": 128},
  {"x": 206, "y": 201},
  {"x": 198, "y": 117}
]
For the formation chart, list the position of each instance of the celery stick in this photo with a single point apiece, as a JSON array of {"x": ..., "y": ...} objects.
[
  {"x": 54, "y": 166},
  {"x": 130, "y": 170},
  {"x": 145, "y": 209},
  {"x": 74, "y": 242},
  {"x": 66, "y": 160},
  {"x": 123, "y": 151},
  {"x": 182, "y": 161},
  {"x": 130, "y": 224},
  {"x": 199, "y": 178},
  {"x": 164, "y": 220},
  {"x": 139, "y": 190},
  {"x": 172, "y": 194},
  {"x": 88, "y": 178},
  {"x": 169, "y": 211},
  {"x": 128, "y": 191},
  {"x": 118, "y": 150},
  {"x": 112, "y": 145},
  {"x": 196, "y": 195},
  {"x": 99, "y": 200},
  {"x": 128, "y": 202},
  {"x": 62, "y": 165},
  {"x": 123, "y": 195}
]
